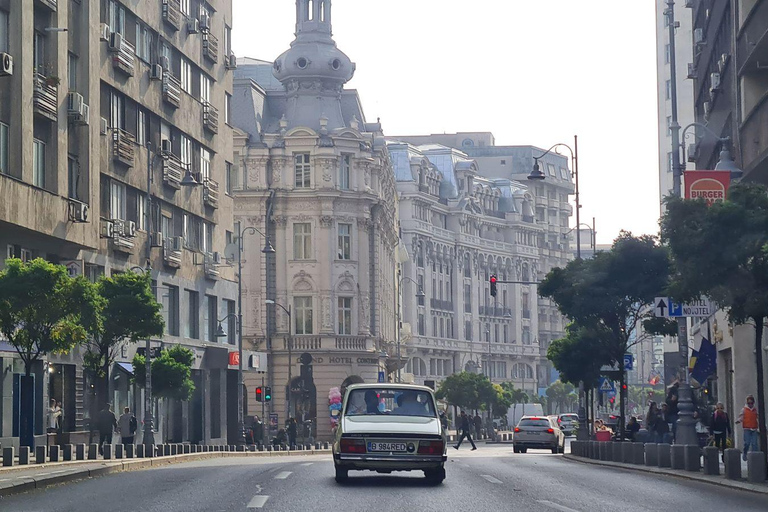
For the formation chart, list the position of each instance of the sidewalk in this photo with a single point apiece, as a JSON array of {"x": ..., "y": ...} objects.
[
  {"x": 686, "y": 475},
  {"x": 17, "y": 479}
]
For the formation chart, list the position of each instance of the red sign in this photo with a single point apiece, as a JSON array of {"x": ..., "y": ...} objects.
[
  {"x": 234, "y": 359},
  {"x": 712, "y": 186}
]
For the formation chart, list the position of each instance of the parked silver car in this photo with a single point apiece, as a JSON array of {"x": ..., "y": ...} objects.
[
  {"x": 390, "y": 427},
  {"x": 538, "y": 432}
]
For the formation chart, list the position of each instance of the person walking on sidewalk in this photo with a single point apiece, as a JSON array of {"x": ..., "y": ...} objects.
[
  {"x": 464, "y": 426},
  {"x": 106, "y": 424},
  {"x": 127, "y": 425},
  {"x": 720, "y": 426},
  {"x": 748, "y": 420}
]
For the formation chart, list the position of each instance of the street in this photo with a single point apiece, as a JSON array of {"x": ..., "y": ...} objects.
[{"x": 491, "y": 478}]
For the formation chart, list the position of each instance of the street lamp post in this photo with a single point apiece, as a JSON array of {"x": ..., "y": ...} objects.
[
  {"x": 537, "y": 175},
  {"x": 419, "y": 295},
  {"x": 290, "y": 355}
]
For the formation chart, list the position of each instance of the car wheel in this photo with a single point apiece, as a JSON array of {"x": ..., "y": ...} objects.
[
  {"x": 523, "y": 450},
  {"x": 435, "y": 476},
  {"x": 555, "y": 449},
  {"x": 516, "y": 449},
  {"x": 341, "y": 474}
]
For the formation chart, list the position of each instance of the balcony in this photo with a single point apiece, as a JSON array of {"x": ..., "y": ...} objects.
[
  {"x": 303, "y": 343},
  {"x": 500, "y": 312},
  {"x": 46, "y": 97},
  {"x": 210, "y": 118},
  {"x": 211, "y": 192},
  {"x": 211, "y": 265},
  {"x": 123, "y": 147},
  {"x": 210, "y": 47},
  {"x": 309, "y": 342},
  {"x": 173, "y": 170},
  {"x": 50, "y": 4},
  {"x": 124, "y": 57},
  {"x": 172, "y": 250},
  {"x": 444, "y": 305},
  {"x": 171, "y": 89},
  {"x": 172, "y": 13},
  {"x": 352, "y": 343}
]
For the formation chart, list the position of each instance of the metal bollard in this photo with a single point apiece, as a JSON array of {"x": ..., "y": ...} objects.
[
  {"x": 665, "y": 455},
  {"x": 54, "y": 453},
  {"x": 79, "y": 452},
  {"x": 130, "y": 451},
  {"x": 8, "y": 456},
  {"x": 23, "y": 455},
  {"x": 652, "y": 454},
  {"x": 68, "y": 452},
  {"x": 140, "y": 453},
  {"x": 93, "y": 451},
  {"x": 167, "y": 449},
  {"x": 119, "y": 451},
  {"x": 732, "y": 460},
  {"x": 692, "y": 458},
  {"x": 638, "y": 454},
  {"x": 107, "y": 451},
  {"x": 678, "y": 456},
  {"x": 604, "y": 451},
  {"x": 711, "y": 460},
  {"x": 626, "y": 452},
  {"x": 756, "y": 467},
  {"x": 41, "y": 454},
  {"x": 616, "y": 455}
]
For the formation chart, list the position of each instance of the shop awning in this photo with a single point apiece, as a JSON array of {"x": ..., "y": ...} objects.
[{"x": 126, "y": 367}]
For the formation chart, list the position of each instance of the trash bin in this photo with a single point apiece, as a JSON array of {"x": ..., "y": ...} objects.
[{"x": 603, "y": 435}]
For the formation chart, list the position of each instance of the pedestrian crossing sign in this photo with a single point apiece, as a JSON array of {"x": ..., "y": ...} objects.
[{"x": 606, "y": 386}]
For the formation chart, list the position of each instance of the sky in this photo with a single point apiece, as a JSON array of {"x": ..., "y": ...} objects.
[{"x": 532, "y": 72}]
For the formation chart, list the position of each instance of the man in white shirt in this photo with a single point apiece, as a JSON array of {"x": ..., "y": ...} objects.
[{"x": 127, "y": 426}]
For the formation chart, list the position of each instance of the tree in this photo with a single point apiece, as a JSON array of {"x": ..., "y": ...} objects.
[
  {"x": 611, "y": 293},
  {"x": 721, "y": 251},
  {"x": 579, "y": 356},
  {"x": 171, "y": 373},
  {"x": 130, "y": 313},
  {"x": 559, "y": 395},
  {"x": 43, "y": 311},
  {"x": 466, "y": 390},
  {"x": 516, "y": 396}
]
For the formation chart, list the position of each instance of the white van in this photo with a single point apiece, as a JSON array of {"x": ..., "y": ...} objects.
[{"x": 517, "y": 411}]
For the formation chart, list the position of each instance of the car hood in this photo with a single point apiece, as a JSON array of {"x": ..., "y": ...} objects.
[{"x": 390, "y": 425}]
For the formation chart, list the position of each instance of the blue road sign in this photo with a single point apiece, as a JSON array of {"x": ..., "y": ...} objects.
[
  {"x": 606, "y": 385},
  {"x": 381, "y": 376},
  {"x": 628, "y": 362},
  {"x": 675, "y": 309}
]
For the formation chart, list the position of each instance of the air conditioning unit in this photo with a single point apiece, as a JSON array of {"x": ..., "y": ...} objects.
[
  {"x": 104, "y": 32},
  {"x": 177, "y": 243},
  {"x": 205, "y": 22},
  {"x": 216, "y": 258},
  {"x": 104, "y": 126},
  {"x": 130, "y": 229},
  {"x": 193, "y": 26},
  {"x": 164, "y": 62},
  {"x": 77, "y": 110},
  {"x": 115, "y": 41},
  {"x": 6, "y": 64},
  {"x": 156, "y": 72},
  {"x": 692, "y": 150},
  {"x": 722, "y": 62},
  {"x": 714, "y": 79},
  {"x": 156, "y": 239},
  {"x": 107, "y": 229},
  {"x": 691, "y": 70},
  {"x": 230, "y": 62},
  {"x": 78, "y": 212},
  {"x": 698, "y": 36},
  {"x": 165, "y": 146}
]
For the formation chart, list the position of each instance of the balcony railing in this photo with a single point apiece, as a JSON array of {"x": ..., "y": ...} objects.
[
  {"x": 210, "y": 117},
  {"x": 304, "y": 342},
  {"x": 171, "y": 89},
  {"x": 125, "y": 57},
  {"x": 46, "y": 97},
  {"x": 211, "y": 192},
  {"x": 352, "y": 343},
  {"x": 172, "y": 250},
  {"x": 173, "y": 170},
  {"x": 172, "y": 13},
  {"x": 123, "y": 147},
  {"x": 210, "y": 47},
  {"x": 444, "y": 305},
  {"x": 51, "y": 4},
  {"x": 210, "y": 265}
]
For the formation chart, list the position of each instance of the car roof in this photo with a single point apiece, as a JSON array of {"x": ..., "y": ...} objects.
[
  {"x": 535, "y": 418},
  {"x": 387, "y": 385}
]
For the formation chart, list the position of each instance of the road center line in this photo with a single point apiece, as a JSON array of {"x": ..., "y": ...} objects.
[
  {"x": 491, "y": 479},
  {"x": 307, "y": 463},
  {"x": 257, "y": 502},
  {"x": 555, "y": 506},
  {"x": 283, "y": 475}
]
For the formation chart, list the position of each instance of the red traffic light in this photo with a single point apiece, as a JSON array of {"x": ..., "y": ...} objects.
[
  {"x": 493, "y": 279},
  {"x": 493, "y": 285},
  {"x": 259, "y": 394}
]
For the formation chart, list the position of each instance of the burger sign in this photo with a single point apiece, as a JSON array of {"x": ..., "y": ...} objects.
[{"x": 712, "y": 186}]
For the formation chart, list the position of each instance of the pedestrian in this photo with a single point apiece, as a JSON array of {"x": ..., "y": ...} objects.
[
  {"x": 54, "y": 416},
  {"x": 127, "y": 425},
  {"x": 106, "y": 424},
  {"x": 673, "y": 395},
  {"x": 443, "y": 420},
  {"x": 748, "y": 420},
  {"x": 662, "y": 425},
  {"x": 651, "y": 422},
  {"x": 292, "y": 430},
  {"x": 258, "y": 430},
  {"x": 720, "y": 426},
  {"x": 632, "y": 428},
  {"x": 465, "y": 433},
  {"x": 478, "y": 421}
]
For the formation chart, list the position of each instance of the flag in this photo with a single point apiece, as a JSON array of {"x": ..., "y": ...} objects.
[{"x": 706, "y": 361}]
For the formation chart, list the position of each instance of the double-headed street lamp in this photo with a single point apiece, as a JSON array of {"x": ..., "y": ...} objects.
[
  {"x": 419, "y": 295},
  {"x": 290, "y": 355}
]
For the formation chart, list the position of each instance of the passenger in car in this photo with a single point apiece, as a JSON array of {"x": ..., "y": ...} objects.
[
  {"x": 372, "y": 402},
  {"x": 410, "y": 406}
]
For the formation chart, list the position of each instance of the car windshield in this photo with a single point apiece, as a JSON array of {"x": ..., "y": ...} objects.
[
  {"x": 533, "y": 423},
  {"x": 569, "y": 417},
  {"x": 396, "y": 402}
]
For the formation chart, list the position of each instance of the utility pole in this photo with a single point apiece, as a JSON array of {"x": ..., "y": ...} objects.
[{"x": 149, "y": 435}]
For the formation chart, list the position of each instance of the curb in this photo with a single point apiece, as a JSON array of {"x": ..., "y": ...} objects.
[
  {"x": 720, "y": 481},
  {"x": 28, "y": 483}
]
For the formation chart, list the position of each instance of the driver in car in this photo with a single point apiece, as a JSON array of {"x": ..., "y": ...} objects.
[
  {"x": 372, "y": 402},
  {"x": 410, "y": 406}
]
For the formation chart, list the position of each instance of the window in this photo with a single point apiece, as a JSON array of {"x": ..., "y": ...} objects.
[
  {"x": 344, "y": 172},
  {"x": 172, "y": 311},
  {"x": 141, "y": 212},
  {"x": 434, "y": 326},
  {"x": 422, "y": 327},
  {"x": 186, "y": 151},
  {"x": 302, "y": 307},
  {"x": 506, "y": 334},
  {"x": 38, "y": 52},
  {"x": 186, "y": 76},
  {"x": 4, "y": 38},
  {"x": 522, "y": 371},
  {"x": 143, "y": 42},
  {"x": 345, "y": 241},
  {"x": 73, "y": 176},
  {"x": 668, "y": 88},
  {"x": 345, "y": 315},
  {"x": 207, "y": 238},
  {"x": 526, "y": 335},
  {"x": 141, "y": 127},
  {"x": 669, "y": 125},
  {"x": 564, "y": 173},
  {"x": 117, "y": 111},
  {"x": 227, "y": 107},
  {"x": 496, "y": 333},
  {"x": 192, "y": 326},
  {"x": 4, "y": 149},
  {"x": 467, "y": 298},
  {"x": 670, "y": 163},
  {"x": 205, "y": 163},
  {"x": 551, "y": 170},
  {"x": 116, "y": 16},
  {"x": 71, "y": 70},
  {"x": 184, "y": 6},
  {"x": 38, "y": 164},
  {"x": 205, "y": 88},
  {"x": 667, "y": 53},
  {"x": 211, "y": 321},
  {"x": 420, "y": 280},
  {"x": 231, "y": 321},
  {"x": 302, "y": 170},
  {"x": 229, "y": 178},
  {"x": 468, "y": 330},
  {"x": 302, "y": 241}
]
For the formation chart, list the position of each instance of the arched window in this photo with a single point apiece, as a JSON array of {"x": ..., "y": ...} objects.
[
  {"x": 522, "y": 371},
  {"x": 418, "y": 366}
]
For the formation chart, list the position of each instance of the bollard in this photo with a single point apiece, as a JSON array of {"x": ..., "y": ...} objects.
[
  {"x": 107, "y": 451},
  {"x": 174, "y": 449},
  {"x": 692, "y": 458},
  {"x": 54, "y": 453},
  {"x": 130, "y": 451},
  {"x": 93, "y": 451},
  {"x": 325, "y": 446},
  {"x": 269, "y": 447},
  {"x": 638, "y": 454},
  {"x": 23, "y": 455},
  {"x": 626, "y": 452},
  {"x": 711, "y": 460},
  {"x": 8, "y": 456},
  {"x": 677, "y": 456},
  {"x": 167, "y": 449},
  {"x": 616, "y": 454},
  {"x": 241, "y": 448},
  {"x": 594, "y": 450},
  {"x": 79, "y": 452},
  {"x": 732, "y": 460},
  {"x": 756, "y": 467},
  {"x": 187, "y": 448},
  {"x": 604, "y": 451},
  {"x": 575, "y": 448},
  {"x": 119, "y": 451},
  {"x": 140, "y": 451},
  {"x": 665, "y": 455},
  {"x": 67, "y": 452},
  {"x": 41, "y": 453},
  {"x": 652, "y": 454}
]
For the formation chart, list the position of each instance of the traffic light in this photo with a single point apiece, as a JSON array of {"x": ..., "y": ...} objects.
[
  {"x": 267, "y": 394},
  {"x": 493, "y": 285},
  {"x": 259, "y": 394}
]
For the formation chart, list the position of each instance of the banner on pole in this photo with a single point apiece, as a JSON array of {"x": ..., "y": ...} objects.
[{"x": 712, "y": 186}]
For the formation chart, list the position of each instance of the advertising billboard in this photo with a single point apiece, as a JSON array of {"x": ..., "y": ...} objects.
[{"x": 712, "y": 186}]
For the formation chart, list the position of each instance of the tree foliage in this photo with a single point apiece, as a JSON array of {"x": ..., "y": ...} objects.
[
  {"x": 467, "y": 390},
  {"x": 516, "y": 396},
  {"x": 43, "y": 310},
  {"x": 171, "y": 373},
  {"x": 561, "y": 395},
  {"x": 580, "y": 354}
]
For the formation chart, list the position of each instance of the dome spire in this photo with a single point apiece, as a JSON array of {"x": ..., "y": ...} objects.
[{"x": 313, "y": 16}]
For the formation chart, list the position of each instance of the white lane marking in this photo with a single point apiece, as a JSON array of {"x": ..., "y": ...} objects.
[
  {"x": 257, "y": 502},
  {"x": 283, "y": 475},
  {"x": 555, "y": 506},
  {"x": 491, "y": 479},
  {"x": 4, "y": 479},
  {"x": 307, "y": 464}
]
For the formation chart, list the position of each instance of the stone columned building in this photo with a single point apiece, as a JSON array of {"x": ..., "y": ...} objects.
[{"x": 312, "y": 175}]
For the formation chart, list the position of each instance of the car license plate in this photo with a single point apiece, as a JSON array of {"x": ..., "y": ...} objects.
[{"x": 386, "y": 447}]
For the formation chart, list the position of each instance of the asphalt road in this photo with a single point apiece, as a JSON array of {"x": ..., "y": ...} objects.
[{"x": 491, "y": 478}]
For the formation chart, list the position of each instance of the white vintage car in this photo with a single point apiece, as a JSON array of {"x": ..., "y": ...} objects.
[{"x": 390, "y": 427}]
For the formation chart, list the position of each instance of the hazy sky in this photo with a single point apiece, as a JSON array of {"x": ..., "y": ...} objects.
[{"x": 532, "y": 72}]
